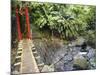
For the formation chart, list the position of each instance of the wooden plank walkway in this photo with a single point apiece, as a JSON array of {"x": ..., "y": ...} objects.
[{"x": 28, "y": 63}]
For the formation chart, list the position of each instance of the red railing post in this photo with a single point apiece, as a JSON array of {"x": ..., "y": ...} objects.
[
  {"x": 27, "y": 23},
  {"x": 18, "y": 25}
]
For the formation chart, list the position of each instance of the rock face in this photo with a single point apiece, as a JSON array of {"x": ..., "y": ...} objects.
[
  {"x": 80, "y": 62},
  {"x": 67, "y": 57}
]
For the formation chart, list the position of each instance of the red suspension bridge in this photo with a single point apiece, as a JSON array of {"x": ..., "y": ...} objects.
[{"x": 25, "y": 61}]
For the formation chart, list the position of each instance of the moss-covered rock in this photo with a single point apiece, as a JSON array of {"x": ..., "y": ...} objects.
[{"x": 80, "y": 62}]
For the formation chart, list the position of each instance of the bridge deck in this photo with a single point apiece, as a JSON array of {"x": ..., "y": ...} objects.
[{"x": 28, "y": 63}]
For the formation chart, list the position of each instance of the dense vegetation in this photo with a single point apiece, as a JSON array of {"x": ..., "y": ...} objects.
[
  {"x": 63, "y": 20},
  {"x": 66, "y": 30},
  {"x": 68, "y": 21}
]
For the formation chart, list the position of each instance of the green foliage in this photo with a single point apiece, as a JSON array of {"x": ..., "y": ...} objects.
[{"x": 70, "y": 21}]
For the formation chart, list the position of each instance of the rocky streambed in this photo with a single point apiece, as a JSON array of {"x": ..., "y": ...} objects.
[{"x": 58, "y": 56}]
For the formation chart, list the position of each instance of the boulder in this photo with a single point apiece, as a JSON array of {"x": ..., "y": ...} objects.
[
  {"x": 47, "y": 68},
  {"x": 15, "y": 72},
  {"x": 80, "y": 41},
  {"x": 91, "y": 53},
  {"x": 79, "y": 62},
  {"x": 68, "y": 66}
]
